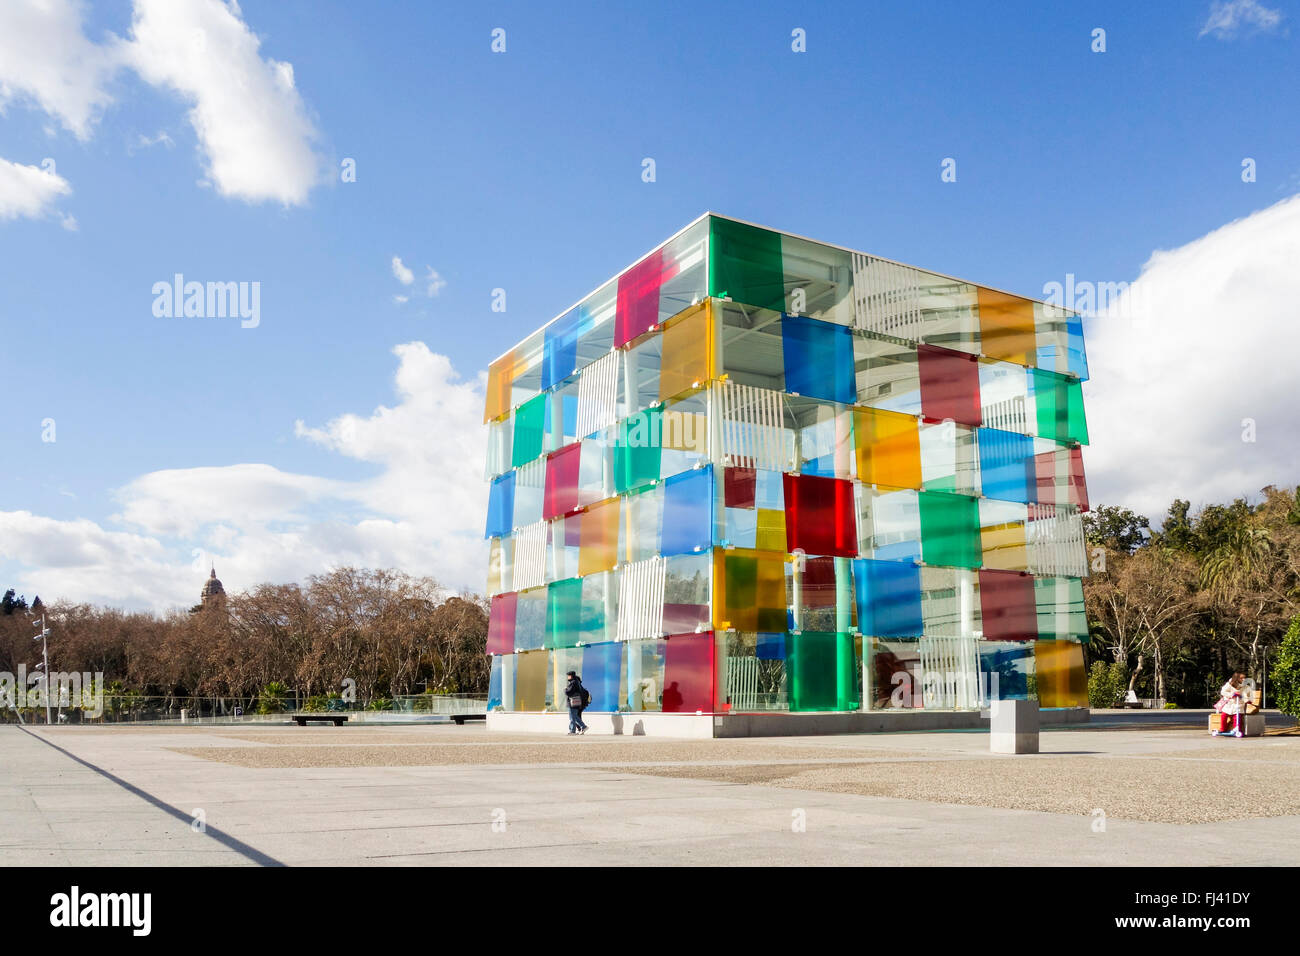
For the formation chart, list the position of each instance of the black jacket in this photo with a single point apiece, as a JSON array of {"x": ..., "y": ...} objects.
[{"x": 573, "y": 688}]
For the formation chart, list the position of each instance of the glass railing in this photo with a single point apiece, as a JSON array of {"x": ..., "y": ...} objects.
[{"x": 226, "y": 710}]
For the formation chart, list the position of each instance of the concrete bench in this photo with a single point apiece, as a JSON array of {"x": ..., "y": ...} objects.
[{"x": 335, "y": 719}]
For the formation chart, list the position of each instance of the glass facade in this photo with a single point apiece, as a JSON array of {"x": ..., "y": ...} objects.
[{"x": 758, "y": 473}]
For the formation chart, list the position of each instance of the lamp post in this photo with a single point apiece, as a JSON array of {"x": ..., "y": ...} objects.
[{"x": 43, "y": 637}]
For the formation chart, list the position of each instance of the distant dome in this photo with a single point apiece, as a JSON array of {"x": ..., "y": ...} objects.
[{"x": 212, "y": 588}]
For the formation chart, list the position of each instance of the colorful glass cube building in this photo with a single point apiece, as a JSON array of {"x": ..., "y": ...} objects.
[{"x": 755, "y": 473}]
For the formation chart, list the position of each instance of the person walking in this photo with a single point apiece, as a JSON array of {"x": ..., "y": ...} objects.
[{"x": 577, "y": 697}]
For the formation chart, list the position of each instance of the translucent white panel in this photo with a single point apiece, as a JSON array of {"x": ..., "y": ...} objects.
[
  {"x": 641, "y": 600},
  {"x": 886, "y": 298},
  {"x": 500, "y": 434},
  {"x": 1056, "y": 543},
  {"x": 1004, "y": 397},
  {"x": 887, "y": 374},
  {"x": 950, "y": 672},
  {"x": 598, "y": 394},
  {"x": 530, "y": 482},
  {"x": 889, "y": 524},
  {"x": 530, "y": 556},
  {"x": 751, "y": 425}
]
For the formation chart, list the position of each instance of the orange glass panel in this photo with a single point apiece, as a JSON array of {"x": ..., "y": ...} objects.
[
  {"x": 1004, "y": 546},
  {"x": 501, "y": 374},
  {"x": 530, "y": 680},
  {"x": 749, "y": 590},
  {"x": 1062, "y": 681},
  {"x": 1007, "y": 327},
  {"x": 598, "y": 537},
  {"x": 689, "y": 354},
  {"x": 888, "y": 448}
]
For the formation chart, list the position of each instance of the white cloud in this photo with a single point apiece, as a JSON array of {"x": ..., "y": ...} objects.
[
  {"x": 29, "y": 192},
  {"x": 401, "y": 273},
  {"x": 421, "y": 511},
  {"x": 434, "y": 282},
  {"x": 401, "y": 299},
  {"x": 141, "y": 141},
  {"x": 253, "y": 127},
  {"x": 1229, "y": 17},
  {"x": 47, "y": 59},
  {"x": 1213, "y": 346}
]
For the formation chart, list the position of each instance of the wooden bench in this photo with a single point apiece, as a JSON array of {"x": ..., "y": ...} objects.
[{"x": 336, "y": 719}]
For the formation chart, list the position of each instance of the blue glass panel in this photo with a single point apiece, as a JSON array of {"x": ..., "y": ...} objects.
[
  {"x": 889, "y": 598},
  {"x": 1007, "y": 466},
  {"x": 602, "y": 669},
  {"x": 560, "y": 346},
  {"x": 1005, "y": 668},
  {"x": 771, "y": 647},
  {"x": 1075, "y": 351},
  {"x": 569, "y": 404},
  {"x": 501, "y": 506},
  {"x": 818, "y": 359},
  {"x": 494, "y": 684},
  {"x": 688, "y": 512}
]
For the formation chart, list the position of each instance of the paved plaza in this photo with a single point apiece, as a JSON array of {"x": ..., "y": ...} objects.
[{"x": 1139, "y": 789}]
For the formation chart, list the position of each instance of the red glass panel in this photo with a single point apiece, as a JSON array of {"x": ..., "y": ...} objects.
[
  {"x": 638, "y": 296},
  {"x": 501, "y": 624},
  {"x": 562, "y": 468},
  {"x": 1078, "y": 487},
  {"x": 950, "y": 385},
  {"x": 819, "y": 582},
  {"x": 688, "y": 673},
  {"x": 739, "y": 485},
  {"x": 819, "y": 515},
  {"x": 1007, "y": 605}
]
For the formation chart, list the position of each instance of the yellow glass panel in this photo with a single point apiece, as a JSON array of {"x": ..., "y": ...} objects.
[
  {"x": 888, "y": 448},
  {"x": 501, "y": 376},
  {"x": 1004, "y": 546},
  {"x": 771, "y": 530},
  {"x": 598, "y": 537},
  {"x": 1007, "y": 327},
  {"x": 685, "y": 431},
  {"x": 749, "y": 590},
  {"x": 1062, "y": 681},
  {"x": 530, "y": 680},
  {"x": 689, "y": 356}
]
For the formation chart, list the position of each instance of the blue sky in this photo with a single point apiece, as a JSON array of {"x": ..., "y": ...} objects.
[{"x": 522, "y": 170}]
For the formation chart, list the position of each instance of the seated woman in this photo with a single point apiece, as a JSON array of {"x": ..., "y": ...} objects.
[{"x": 1232, "y": 703}]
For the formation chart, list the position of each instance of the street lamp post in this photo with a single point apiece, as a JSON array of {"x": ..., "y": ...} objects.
[{"x": 43, "y": 637}]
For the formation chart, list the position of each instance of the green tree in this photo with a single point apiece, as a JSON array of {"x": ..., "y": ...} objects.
[
  {"x": 1285, "y": 672},
  {"x": 1116, "y": 528}
]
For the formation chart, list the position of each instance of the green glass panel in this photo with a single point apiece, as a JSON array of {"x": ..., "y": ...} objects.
[
  {"x": 1060, "y": 608},
  {"x": 745, "y": 264},
  {"x": 822, "y": 671},
  {"x": 637, "y": 454},
  {"x": 530, "y": 431},
  {"x": 1058, "y": 401},
  {"x": 1078, "y": 424},
  {"x": 950, "y": 530},
  {"x": 564, "y": 613}
]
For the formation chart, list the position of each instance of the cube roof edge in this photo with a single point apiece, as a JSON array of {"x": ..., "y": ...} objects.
[{"x": 793, "y": 235}]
